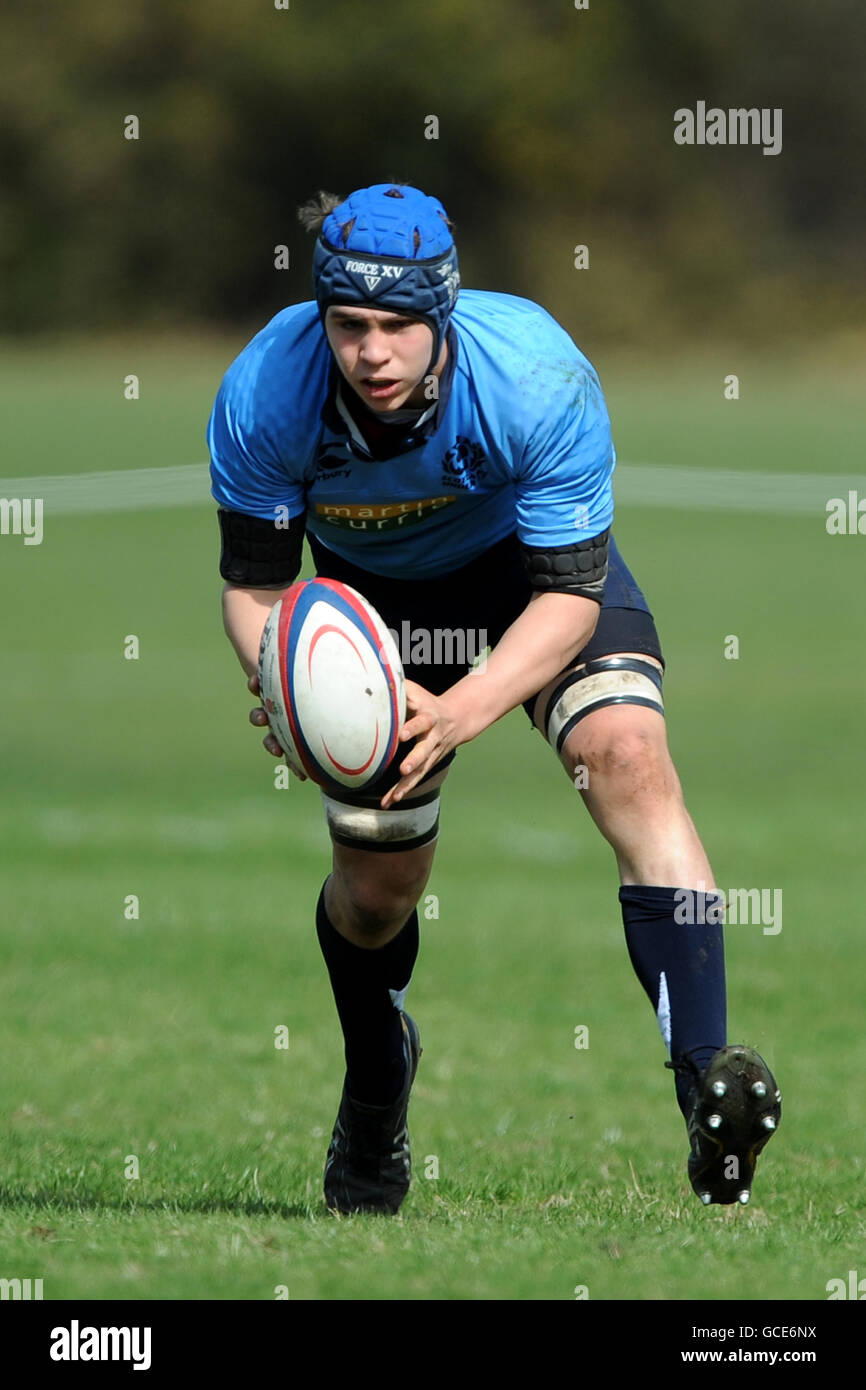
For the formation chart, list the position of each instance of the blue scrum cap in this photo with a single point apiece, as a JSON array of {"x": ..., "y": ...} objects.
[{"x": 389, "y": 246}]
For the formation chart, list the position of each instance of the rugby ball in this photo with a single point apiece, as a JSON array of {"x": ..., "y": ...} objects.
[{"x": 331, "y": 682}]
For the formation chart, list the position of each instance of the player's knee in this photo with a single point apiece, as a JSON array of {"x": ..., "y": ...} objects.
[
  {"x": 625, "y": 762},
  {"x": 379, "y": 897}
]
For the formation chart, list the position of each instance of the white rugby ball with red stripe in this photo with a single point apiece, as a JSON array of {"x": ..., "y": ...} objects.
[{"x": 331, "y": 681}]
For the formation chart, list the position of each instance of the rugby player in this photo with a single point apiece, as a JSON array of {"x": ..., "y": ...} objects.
[{"x": 451, "y": 458}]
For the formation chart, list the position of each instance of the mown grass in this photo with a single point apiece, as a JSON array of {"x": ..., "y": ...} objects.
[{"x": 152, "y": 1038}]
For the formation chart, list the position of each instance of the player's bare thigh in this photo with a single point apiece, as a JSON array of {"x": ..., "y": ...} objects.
[
  {"x": 593, "y": 740},
  {"x": 618, "y": 758},
  {"x": 371, "y": 892}
]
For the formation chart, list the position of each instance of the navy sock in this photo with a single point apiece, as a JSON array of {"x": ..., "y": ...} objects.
[
  {"x": 681, "y": 965},
  {"x": 369, "y": 986}
]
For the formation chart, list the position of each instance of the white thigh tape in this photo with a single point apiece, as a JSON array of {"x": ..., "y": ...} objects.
[
  {"x": 594, "y": 692},
  {"x": 369, "y": 827}
]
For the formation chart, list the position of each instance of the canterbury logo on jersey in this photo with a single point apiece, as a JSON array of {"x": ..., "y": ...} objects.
[
  {"x": 329, "y": 462},
  {"x": 356, "y": 516}
]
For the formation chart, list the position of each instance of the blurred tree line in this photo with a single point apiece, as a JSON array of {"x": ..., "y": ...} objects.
[{"x": 555, "y": 129}]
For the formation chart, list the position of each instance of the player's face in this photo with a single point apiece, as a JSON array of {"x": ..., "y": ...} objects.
[{"x": 383, "y": 356}]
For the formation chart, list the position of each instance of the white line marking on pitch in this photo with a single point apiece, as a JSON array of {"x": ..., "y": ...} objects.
[{"x": 636, "y": 485}]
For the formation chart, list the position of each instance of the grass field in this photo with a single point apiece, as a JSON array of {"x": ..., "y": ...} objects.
[{"x": 153, "y": 1039}]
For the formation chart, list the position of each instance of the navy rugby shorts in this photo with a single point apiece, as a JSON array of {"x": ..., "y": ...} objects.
[{"x": 481, "y": 600}]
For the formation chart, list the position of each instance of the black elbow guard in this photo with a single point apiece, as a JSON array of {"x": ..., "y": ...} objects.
[
  {"x": 260, "y": 554},
  {"x": 580, "y": 568}
]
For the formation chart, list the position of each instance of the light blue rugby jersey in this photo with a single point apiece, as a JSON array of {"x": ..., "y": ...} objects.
[{"x": 519, "y": 440}]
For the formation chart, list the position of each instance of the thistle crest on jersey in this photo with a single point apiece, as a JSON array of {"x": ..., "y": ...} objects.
[
  {"x": 389, "y": 246},
  {"x": 332, "y": 684}
]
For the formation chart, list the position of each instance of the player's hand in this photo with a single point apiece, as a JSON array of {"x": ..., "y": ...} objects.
[
  {"x": 435, "y": 728},
  {"x": 259, "y": 718}
]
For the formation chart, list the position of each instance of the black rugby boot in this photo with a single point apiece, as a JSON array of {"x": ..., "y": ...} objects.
[
  {"x": 368, "y": 1167},
  {"x": 736, "y": 1107}
]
